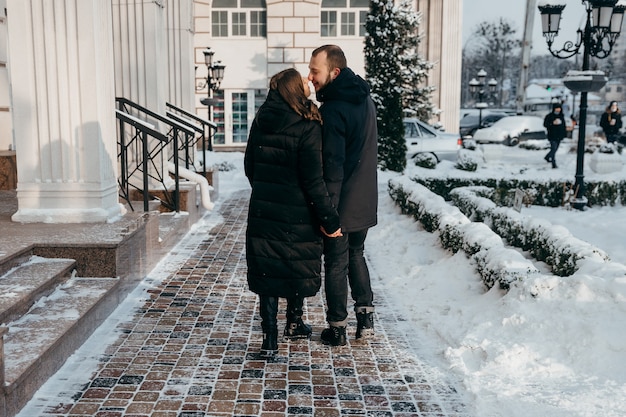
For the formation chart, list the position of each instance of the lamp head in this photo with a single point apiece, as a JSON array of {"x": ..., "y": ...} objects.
[
  {"x": 601, "y": 11},
  {"x": 208, "y": 57},
  {"x": 218, "y": 73},
  {"x": 482, "y": 74},
  {"x": 550, "y": 18},
  {"x": 617, "y": 18},
  {"x": 473, "y": 85}
]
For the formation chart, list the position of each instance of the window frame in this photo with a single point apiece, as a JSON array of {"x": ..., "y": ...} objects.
[
  {"x": 252, "y": 28},
  {"x": 349, "y": 20}
]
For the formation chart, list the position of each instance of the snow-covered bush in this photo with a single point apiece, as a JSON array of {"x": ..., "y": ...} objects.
[
  {"x": 494, "y": 262},
  {"x": 468, "y": 160},
  {"x": 425, "y": 160},
  {"x": 535, "y": 144},
  {"x": 551, "y": 244}
]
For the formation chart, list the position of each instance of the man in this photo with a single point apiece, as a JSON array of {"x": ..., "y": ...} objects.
[
  {"x": 350, "y": 161},
  {"x": 554, "y": 123}
]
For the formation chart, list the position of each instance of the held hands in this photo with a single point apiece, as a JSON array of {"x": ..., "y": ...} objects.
[{"x": 336, "y": 233}]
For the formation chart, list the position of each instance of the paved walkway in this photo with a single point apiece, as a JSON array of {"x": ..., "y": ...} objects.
[{"x": 189, "y": 349}]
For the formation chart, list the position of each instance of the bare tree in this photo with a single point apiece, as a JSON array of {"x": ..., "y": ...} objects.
[
  {"x": 495, "y": 48},
  {"x": 547, "y": 66}
]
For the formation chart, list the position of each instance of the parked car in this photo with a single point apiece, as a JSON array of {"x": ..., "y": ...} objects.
[
  {"x": 512, "y": 130},
  {"x": 469, "y": 124},
  {"x": 422, "y": 138}
]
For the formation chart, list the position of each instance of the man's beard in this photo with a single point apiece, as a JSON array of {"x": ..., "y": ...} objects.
[{"x": 326, "y": 82}]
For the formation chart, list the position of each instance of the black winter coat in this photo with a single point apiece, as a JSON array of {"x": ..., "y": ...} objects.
[
  {"x": 555, "y": 131},
  {"x": 605, "y": 123},
  {"x": 289, "y": 201},
  {"x": 350, "y": 149}
]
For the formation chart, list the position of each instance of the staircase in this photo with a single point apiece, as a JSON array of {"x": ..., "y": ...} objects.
[
  {"x": 58, "y": 283},
  {"x": 47, "y": 313}
]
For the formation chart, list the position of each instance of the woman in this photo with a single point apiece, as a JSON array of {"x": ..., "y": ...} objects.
[
  {"x": 289, "y": 206},
  {"x": 611, "y": 122}
]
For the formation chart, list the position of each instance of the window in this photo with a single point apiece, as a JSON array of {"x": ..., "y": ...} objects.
[
  {"x": 240, "y": 117},
  {"x": 343, "y": 18},
  {"x": 219, "y": 24},
  {"x": 239, "y": 18},
  {"x": 234, "y": 114}
]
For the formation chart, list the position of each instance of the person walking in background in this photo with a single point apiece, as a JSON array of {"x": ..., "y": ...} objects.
[
  {"x": 554, "y": 123},
  {"x": 611, "y": 122},
  {"x": 350, "y": 156},
  {"x": 289, "y": 206}
]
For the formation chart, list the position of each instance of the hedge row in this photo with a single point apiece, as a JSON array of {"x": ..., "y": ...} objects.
[
  {"x": 550, "y": 193},
  {"x": 494, "y": 262},
  {"x": 551, "y": 244}
]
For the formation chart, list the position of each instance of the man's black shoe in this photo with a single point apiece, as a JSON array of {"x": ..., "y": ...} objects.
[
  {"x": 364, "y": 324},
  {"x": 334, "y": 336}
]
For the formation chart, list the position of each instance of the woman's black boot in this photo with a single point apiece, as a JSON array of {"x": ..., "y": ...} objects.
[
  {"x": 268, "y": 307},
  {"x": 295, "y": 327}
]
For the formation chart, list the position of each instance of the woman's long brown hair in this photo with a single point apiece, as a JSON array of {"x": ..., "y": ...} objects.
[{"x": 288, "y": 83}]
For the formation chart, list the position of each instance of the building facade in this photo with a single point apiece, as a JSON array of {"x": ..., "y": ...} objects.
[
  {"x": 63, "y": 63},
  {"x": 6, "y": 142},
  {"x": 255, "y": 39}
]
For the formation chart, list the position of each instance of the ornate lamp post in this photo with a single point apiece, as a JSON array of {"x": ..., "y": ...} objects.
[
  {"x": 602, "y": 27},
  {"x": 477, "y": 86},
  {"x": 212, "y": 81}
]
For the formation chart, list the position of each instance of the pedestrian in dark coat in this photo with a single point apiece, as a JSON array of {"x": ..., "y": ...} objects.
[
  {"x": 289, "y": 205},
  {"x": 350, "y": 153},
  {"x": 611, "y": 122},
  {"x": 554, "y": 123}
]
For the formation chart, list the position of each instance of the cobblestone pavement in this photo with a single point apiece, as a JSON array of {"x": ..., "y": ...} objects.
[{"x": 190, "y": 350}]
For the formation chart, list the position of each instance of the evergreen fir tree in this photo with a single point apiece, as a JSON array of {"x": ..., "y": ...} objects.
[
  {"x": 416, "y": 94},
  {"x": 396, "y": 74}
]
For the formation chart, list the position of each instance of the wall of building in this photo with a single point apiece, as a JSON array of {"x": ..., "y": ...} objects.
[
  {"x": 293, "y": 31},
  {"x": 442, "y": 30},
  {"x": 6, "y": 126}
]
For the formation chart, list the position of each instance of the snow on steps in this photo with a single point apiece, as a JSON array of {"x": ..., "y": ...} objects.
[
  {"x": 30, "y": 279},
  {"x": 47, "y": 315}
]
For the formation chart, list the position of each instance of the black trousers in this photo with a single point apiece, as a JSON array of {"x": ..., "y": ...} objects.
[{"x": 345, "y": 264}]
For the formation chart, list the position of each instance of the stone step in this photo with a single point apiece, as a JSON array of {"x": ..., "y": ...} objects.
[
  {"x": 38, "y": 343},
  {"x": 32, "y": 278}
]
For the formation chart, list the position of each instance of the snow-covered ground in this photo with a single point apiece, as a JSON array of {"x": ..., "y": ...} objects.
[{"x": 558, "y": 353}]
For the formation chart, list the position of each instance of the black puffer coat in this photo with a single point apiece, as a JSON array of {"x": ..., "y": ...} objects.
[{"x": 289, "y": 201}]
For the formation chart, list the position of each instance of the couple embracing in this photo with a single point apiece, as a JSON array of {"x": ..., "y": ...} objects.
[{"x": 314, "y": 191}]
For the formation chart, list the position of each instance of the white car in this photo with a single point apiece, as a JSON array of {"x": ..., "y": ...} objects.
[
  {"x": 512, "y": 130},
  {"x": 422, "y": 138}
]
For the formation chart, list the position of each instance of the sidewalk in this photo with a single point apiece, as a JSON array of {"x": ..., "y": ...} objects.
[{"x": 189, "y": 348}]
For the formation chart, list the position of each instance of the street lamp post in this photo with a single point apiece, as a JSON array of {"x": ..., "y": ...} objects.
[
  {"x": 477, "y": 86},
  {"x": 602, "y": 27},
  {"x": 212, "y": 81}
]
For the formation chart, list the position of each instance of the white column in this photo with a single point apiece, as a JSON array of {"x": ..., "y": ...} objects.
[
  {"x": 60, "y": 64},
  {"x": 180, "y": 59},
  {"x": 450, "y": 63},
  {"x": 6, "y": 126},
  {"x": 141, "y": 69},
  {"x": 140, "y": 52}
]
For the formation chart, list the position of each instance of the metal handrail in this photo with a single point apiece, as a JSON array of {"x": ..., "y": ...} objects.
[
  {"x": 139, "y": 138},
  {"x": 206, "y": 128},
  {"x": 177, "y": 133}
]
